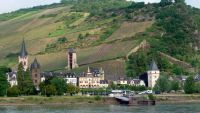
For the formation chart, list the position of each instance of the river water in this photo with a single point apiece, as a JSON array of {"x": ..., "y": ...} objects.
[{"x": 163, "y": 108}]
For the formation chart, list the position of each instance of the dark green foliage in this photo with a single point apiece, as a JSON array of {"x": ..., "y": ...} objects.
[
  {"x": 162, "y": 84},
  {"x": 178, "y": 30},
  {"x": 137, "y": 5},
  {"x": 71, "y": 89},
  {"x": 50, "y": 90},
  {"x": 3, "y": 81},
  {"x": 60, "y": 85},
  {"x": 137, "y": 64},
  {"x": 20, "y": 77},
  {"x": 189, "y": 86},
  {"x": 98, "y": 7},
  {"x": 175, "y": 85},
  {"x": 13, "y": 91},
  {"x": 197, "y": 87},
  {"x": 151, "y": 97},
  {"x": 25, "y": 83},
  {"x": 179, "y": 1},
  {"x": 62, "y": 40},
  {"x": 48, "y": 16}
]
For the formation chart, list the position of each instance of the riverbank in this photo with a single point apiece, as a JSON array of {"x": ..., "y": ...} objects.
[
  {"x": 56, "y": 100},
  {"x": 178, "y": 98},
  {"x": 84, "y": 100}
]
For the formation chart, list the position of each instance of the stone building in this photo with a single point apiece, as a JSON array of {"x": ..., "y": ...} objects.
[
  {"x": 36, "y": 73},
  {"x": 72, "y": 59},
  {"x": 23, "y": 56},
  {"x": 153, "y": 74},
  {"x": 92, "y": 79}
]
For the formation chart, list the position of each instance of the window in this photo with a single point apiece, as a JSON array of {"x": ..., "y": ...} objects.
[
  {"x": 35, "y": 75},
  {"x": 36, "y": 81}
]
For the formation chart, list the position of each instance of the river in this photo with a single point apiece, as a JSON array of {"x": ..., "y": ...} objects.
[{"x": 162, "y": 108}]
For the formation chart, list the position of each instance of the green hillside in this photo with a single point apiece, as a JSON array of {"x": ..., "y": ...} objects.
[{"x": 103, "y": 32}]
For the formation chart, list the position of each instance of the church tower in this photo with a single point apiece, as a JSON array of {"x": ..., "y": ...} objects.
[
  {"x": 153, "y": 74},
  {"x": 23, "y": 56},
  {"x": 36, "y": 73},
  {"x": 72, "y": 59}
]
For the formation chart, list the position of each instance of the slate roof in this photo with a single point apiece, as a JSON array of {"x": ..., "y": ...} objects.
[
  {"x": 71, "y": 50},
  {"x": 23, "y": 52},
  {"x": 153, "y": 66},
  {"x": 35, "y": 64},
  {"x": 103, "y": 82}
]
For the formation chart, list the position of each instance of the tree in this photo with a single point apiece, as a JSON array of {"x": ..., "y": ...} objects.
[
  {"x": 50, "y": 90},
  {"x": 20, "y": 77},
  {"x": 175, "y": 85},
  {"x": 189, "y": 86},
  {"x": 162, "y": 84},
  {"x": 179, "y": 1},
  {"x": 29, "y": 88},
  {"x": 3, "y": 81},
  {"x": 71, "y": 89},
  {"x": 13, "y": 91},
  {"x": 60, "y": 85},
  {"x": 197, "y": 87}
]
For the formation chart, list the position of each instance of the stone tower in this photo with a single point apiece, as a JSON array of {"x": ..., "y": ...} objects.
[
  {"x": 23, "y": 56},
  {"x": 72, "y": 59},
  {"x": 153, "y": 74},
  {"x": 36, "y": 73}
]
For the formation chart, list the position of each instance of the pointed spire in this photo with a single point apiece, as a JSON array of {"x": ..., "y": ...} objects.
[
  {"x": 88, "y": 69},
  {"x": 35, "y": 64},
  {"x": 23, "y": 52},
  {"x": 153, "y": 66}
]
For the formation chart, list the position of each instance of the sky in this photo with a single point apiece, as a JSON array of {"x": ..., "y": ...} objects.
[{"x": 12, "y": 5}]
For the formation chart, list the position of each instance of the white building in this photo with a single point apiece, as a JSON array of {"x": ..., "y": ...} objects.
[
  {"x": 12, "y": 78},
  {"x": 137, "y": 82},
  {"x": 104, "y": 83},
  {"x": 70, "y": 78},
  {"x": 121, "y": 81},
  {"x": 153, "y": 74}
]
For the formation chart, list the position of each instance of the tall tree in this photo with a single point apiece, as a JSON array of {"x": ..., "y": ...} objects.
[
  {"x": 60, "y": 85},
  {"x": 20, "y": 77},
  {"x": 29, "y": 86},
  {"x": 3, "y": 81},
  {"x": 162, "y": 84},
  {"x": 189, "y": 86}
]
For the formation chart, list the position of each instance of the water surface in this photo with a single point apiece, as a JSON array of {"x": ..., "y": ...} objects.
[{"x": 164, "y": 108}]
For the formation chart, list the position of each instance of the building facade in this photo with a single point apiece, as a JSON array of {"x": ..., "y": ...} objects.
[
  {"x": 36, "y": 74},
  {"x": 23, "y": 56},
  {"x": 137, "y": 82},
  {"x": 153, "y": 74},
  {"x": 72, "y": 59},
  {"x": 12, "y": 78},
  {"x": 92, "y": 79}
]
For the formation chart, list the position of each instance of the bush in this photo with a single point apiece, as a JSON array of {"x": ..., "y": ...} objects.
[
  {"x": 13, "y": 91},
  {"x": 151, "y": 97},
  {"x": 97, "y": 98}
]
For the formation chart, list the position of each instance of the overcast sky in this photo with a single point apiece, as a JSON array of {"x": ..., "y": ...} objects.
[{"x": 12, "y": 5}]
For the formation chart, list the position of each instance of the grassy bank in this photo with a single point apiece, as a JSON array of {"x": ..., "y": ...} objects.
[
  {"x": 178, "y": 98},
  {"x": 84, "y": 100},
  {"x": 63, "y": 100}
]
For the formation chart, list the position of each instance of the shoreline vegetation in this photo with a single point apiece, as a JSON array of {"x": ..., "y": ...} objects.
[{"x": 85, "y": 100}]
